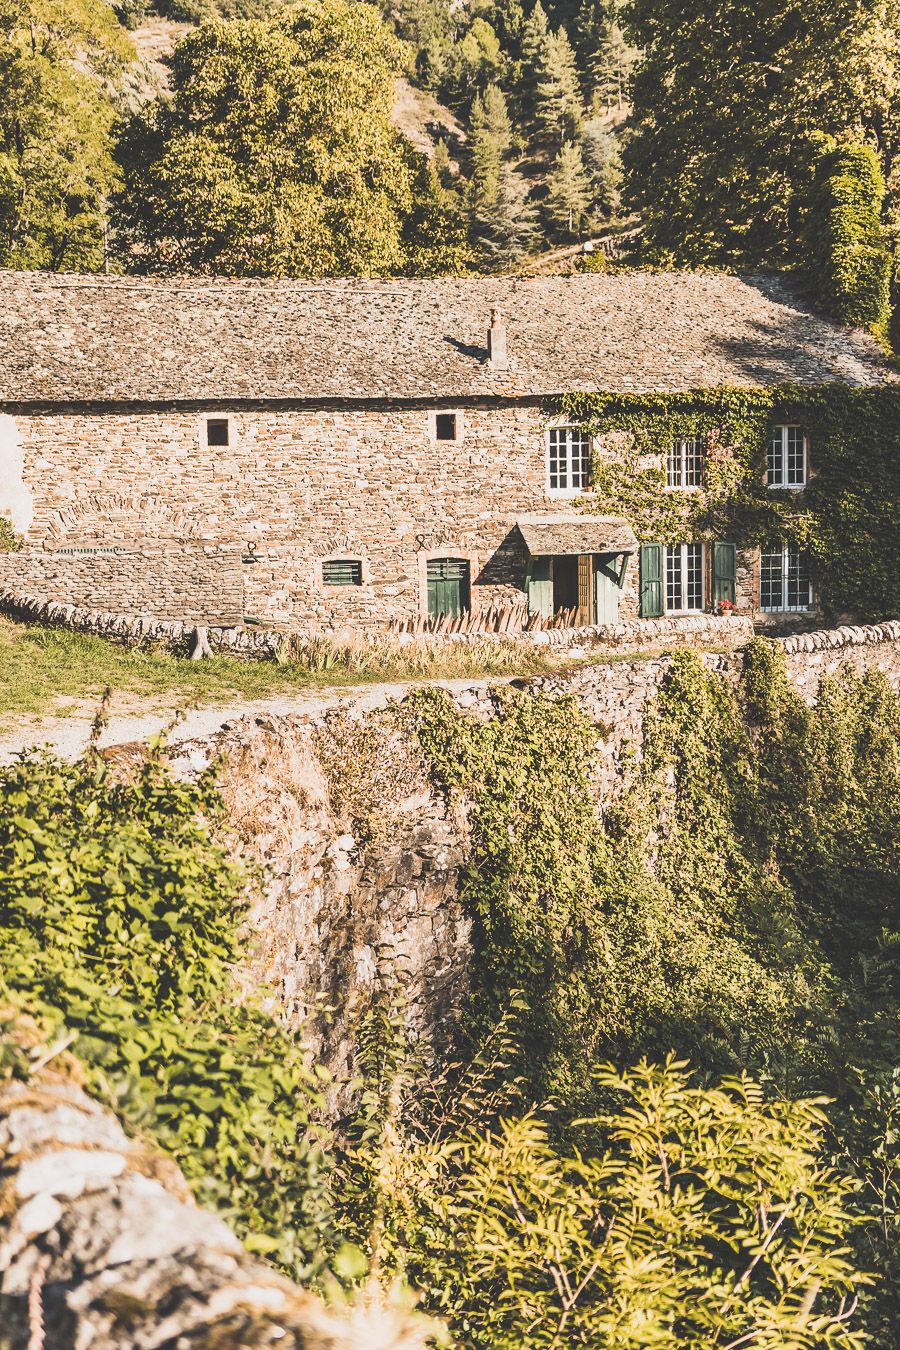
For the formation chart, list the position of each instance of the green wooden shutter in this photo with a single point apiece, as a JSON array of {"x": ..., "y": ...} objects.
[
  {"x": 651, "y": 581},
  {"x": 724, "y": 573}
]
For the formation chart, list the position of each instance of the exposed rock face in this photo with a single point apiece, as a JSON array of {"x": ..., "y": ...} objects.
[
  {"x": 101, "y": 1246},
  {"x": 361, "y": 859}
]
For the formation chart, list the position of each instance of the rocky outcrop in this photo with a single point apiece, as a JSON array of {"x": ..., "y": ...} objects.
[{"x": 102, "y": 1246}]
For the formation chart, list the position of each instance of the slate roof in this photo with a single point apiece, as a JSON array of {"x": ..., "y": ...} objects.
[
  {"x": 95, "y": 338},
  {"x": 577, "y": 534}
]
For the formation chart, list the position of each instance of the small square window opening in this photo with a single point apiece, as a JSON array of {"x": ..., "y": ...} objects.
[
  {"x": 342, "y": 572},
  {"x": 217, "y": 431},
  {"x": 445, "y": 426}
]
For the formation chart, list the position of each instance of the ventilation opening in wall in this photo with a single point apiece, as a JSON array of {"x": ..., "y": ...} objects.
[
  {"x": 342, "y": 572},
  {"x": 217, "y": 431}
]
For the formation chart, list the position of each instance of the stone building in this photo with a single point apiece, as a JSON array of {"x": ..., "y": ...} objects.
[{"x": 318, "y": 454}]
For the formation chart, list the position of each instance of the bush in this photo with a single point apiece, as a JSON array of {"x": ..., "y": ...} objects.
[{"x": 119, "y": 929}]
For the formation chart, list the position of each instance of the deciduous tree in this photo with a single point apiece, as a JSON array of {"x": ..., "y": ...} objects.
[
  {"x": 57, "y": 60},
  {"x": 275, "y": 154}
]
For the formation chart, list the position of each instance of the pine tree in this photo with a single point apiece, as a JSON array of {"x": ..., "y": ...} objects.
[
  {"x": 559, "y": 93},
  {"x": 535, "y": 36},
  {"x": 611, "y": 67},
  {"x": 490, "y": 141},
  {"x": 569, "y": 191},
  {"x": 511, "y": 228},
  {"x": 603, "y": 163}
]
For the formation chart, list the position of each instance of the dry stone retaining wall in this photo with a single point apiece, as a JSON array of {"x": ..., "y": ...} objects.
[{"x": 363, "y": 854}]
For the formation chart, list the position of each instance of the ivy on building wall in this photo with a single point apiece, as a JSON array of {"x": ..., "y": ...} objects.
[{"x": 847, "y": 519}]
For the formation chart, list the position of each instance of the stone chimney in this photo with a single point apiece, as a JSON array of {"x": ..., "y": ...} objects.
[{"x": 497, "y": 341}]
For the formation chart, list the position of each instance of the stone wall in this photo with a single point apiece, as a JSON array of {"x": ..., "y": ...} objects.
[
  {"x": 130, "y": 629},
  {"x": 192, "y": 584},
  {"x": 296, "y": 487},
  {"x": 363, "y": 854}
]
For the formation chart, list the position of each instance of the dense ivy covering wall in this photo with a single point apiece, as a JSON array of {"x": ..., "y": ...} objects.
[
  {"x": 847, "y": 519},
  {"x": 847, "y": 257}
]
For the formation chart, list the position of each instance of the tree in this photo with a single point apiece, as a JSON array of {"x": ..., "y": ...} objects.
[
  {"x": 490, "y": 142},
  {"x": 56, "y": 119},
  {"x": 535, "y": 36},
  {"x": 509, "y": 229},
  {"x": 569, "y": 191},
  {"x": 275, "y": 154},
  {"x": 434, "y": 238},
  {"x": 725, "y": 103},
  {"x": 559, "y": 103},
  {"x": 611, "y": 66},
  {"x": 474, "y": 62},
  {"x": 603, "y": 163},
  {"x": 689, "y": 1216}
]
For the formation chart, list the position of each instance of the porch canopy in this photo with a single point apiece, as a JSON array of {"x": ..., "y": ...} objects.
[{"x": 561, "y": 535}]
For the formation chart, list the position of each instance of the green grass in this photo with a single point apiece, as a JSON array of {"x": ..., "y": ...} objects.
[{"x": 46, "y": 669}]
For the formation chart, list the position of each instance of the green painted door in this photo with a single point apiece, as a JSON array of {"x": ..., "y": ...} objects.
[
  {"x": 608, "y": 578},
  {"x": 539, "y": 587},
  {"x": 448, "y": 586}
]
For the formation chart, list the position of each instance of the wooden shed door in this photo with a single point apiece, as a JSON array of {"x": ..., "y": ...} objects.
[{"x": 608, "y": 589}]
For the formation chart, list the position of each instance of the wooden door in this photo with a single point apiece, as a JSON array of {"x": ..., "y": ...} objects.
[
  {"x": 607, "y": 587},
  {"x": 448, "y": 586},
  {"x": 539, "y": 588}
]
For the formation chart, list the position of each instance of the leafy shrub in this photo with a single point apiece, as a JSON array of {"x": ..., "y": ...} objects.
[
  {"x": 685, "y": 1216},
  {"x": 120, "y": 925},
  {"x": 9, "y": 540}
]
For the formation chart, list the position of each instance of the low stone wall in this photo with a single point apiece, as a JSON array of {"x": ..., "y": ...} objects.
[{"x": 694, "y": 630}]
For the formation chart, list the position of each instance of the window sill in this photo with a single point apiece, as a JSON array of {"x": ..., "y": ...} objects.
[
  {"x": 570, "y": 493},
  {"x": 695, "y": 487},
  {"x": 786, "y": 487}
]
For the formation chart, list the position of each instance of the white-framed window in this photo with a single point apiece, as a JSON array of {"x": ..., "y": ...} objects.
[
  {"x": 787, "y": 457},
  {"x": 568, "y": 460},
  {"x": 684, "y": 462},
  {"x": 684, "y": 578},
  {"x": 216, "y": 431},
  {"x": 447, "y": 426},
  {"x": 784, "y": 582}
]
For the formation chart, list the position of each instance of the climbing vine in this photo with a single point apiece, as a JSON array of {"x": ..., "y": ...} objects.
[{"x": 847, "y": 519}]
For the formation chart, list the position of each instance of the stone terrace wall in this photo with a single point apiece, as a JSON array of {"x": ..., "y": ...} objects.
[{"x": 363, "y": 855}]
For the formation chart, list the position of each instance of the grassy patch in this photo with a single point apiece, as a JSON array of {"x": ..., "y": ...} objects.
[{"x": 53, "y": 670}]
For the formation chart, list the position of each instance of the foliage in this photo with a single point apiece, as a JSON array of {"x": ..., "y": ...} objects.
[
  {"x": 846, "y": 520},
  {"x": 511, "y": 228},
  {"x": 847, "y": 256},
  {"x": 568, "y": 191},
  {"x": 719, "y": 162},
  {"x": 10, "y": 542},
  {"x": 686, "y": 1215},
  {"x": 737, "y": 901},
  {"x": 275, "y": 154},
  {"x": 120, "y": 925},
  {"x": 57, "y": 58}
]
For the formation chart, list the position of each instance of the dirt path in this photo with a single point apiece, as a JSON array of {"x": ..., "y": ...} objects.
[{"x": 67, "y": 736}]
